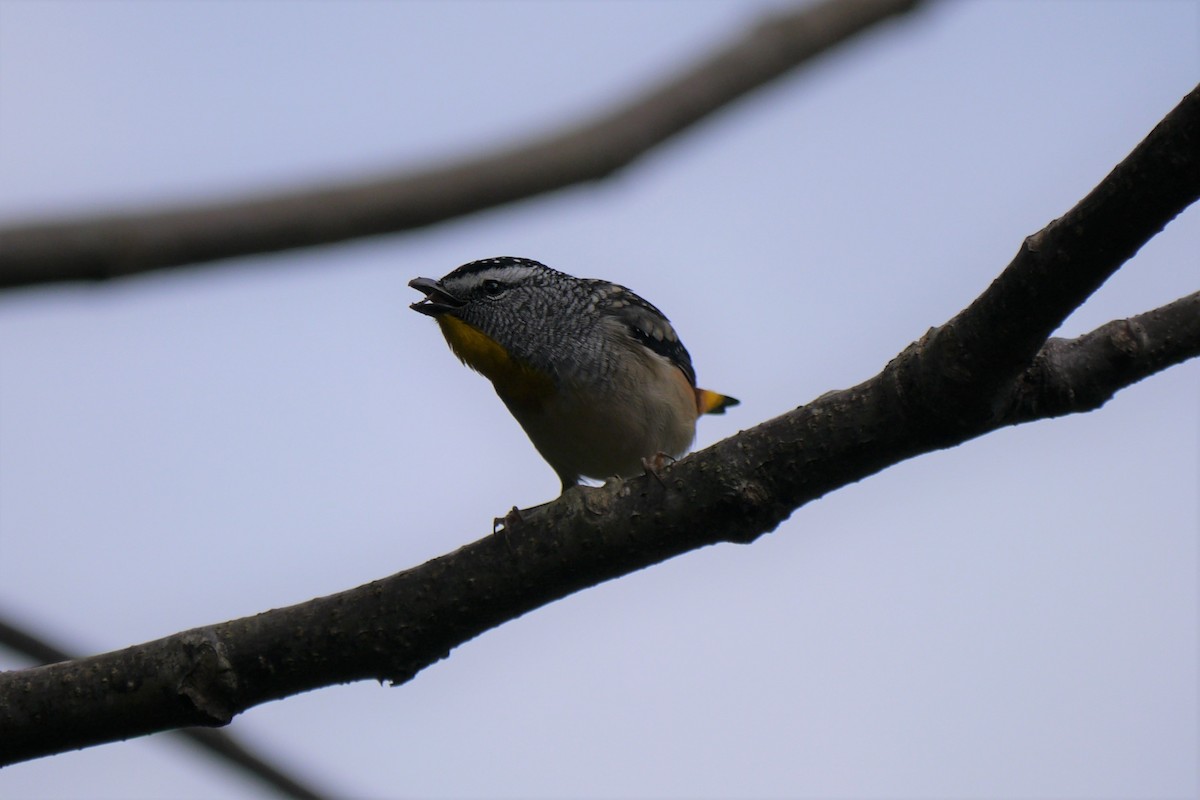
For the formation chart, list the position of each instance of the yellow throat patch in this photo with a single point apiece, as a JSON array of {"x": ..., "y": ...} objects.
[{"x": 515, "y": 382}]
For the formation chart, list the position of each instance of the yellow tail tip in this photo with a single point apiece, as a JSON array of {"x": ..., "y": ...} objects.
[{"x": 713, "y": 403}]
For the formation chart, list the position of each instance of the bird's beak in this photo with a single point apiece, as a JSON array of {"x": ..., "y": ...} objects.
[{"x": 437, "y": 299}]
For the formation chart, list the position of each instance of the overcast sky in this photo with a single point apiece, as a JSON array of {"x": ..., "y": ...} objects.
[{"x": 1015, "y": 617}]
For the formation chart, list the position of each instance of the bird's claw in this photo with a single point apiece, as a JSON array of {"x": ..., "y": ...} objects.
[
  {"x": 509, "y": 521},
  {"x": 655, "y": 463}
]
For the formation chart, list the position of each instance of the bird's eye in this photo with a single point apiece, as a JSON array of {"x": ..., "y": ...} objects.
[{"x": 493, "y": 288}]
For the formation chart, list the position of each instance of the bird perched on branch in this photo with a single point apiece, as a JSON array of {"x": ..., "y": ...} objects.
[{"x": 596, "y": 375}]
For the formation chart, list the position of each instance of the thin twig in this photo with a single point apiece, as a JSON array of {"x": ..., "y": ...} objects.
[{"x": 1073, "y": 375}]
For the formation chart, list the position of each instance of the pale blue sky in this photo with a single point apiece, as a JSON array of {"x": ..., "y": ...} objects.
[{"x": 1013, "y": 617}]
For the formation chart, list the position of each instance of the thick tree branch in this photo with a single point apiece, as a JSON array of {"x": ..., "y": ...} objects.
[
  {"x": 127, "y": 244},
  {"x": 980, "y": 371},
  {"x": 224, "y": 746}
]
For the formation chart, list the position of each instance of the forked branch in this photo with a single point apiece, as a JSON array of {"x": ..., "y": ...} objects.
[{"x": 989, "y": 367}]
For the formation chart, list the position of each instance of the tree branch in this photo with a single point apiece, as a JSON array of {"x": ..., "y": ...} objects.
[
  {"x": 961, "y": 369},
  {"x": 1073, "y": 375},
  {"x": 980, "y": 371},
  {"x": 221, "y": 745},
  {"x": 127, "y": 244}
]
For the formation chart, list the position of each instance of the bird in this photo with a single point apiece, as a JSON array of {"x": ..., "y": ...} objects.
[{"x": 594, "y": 373}]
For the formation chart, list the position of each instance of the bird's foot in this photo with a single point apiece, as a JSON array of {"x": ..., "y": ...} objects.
[
  {"x": 654, "y": 464},
  {"x": 510, "y": 520}
]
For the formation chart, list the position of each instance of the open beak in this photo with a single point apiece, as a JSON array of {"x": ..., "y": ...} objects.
[{"x": 437, "y": 300}]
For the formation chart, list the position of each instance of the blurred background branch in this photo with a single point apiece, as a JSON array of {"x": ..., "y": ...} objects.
[{"x": 129, "y": 243}]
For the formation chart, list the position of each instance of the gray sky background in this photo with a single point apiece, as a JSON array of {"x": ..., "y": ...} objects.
[{"x": 1016, "y": 617}]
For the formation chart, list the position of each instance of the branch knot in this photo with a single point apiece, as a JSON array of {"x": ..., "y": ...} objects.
[{"x": 209, "y": 680}]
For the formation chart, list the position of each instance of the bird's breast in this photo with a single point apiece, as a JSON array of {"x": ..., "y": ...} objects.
[{"x": 515, "y": 381}]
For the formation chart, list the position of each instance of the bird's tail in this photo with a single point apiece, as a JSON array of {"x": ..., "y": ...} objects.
[{"x": 712, "y": 403}]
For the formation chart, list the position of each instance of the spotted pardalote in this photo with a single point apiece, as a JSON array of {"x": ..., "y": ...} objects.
[{"x": 595, "y": 374}]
